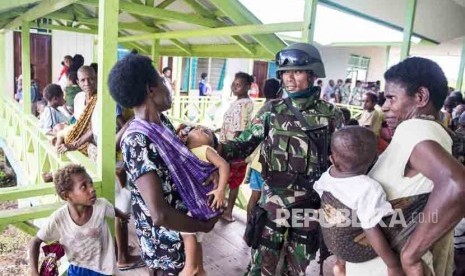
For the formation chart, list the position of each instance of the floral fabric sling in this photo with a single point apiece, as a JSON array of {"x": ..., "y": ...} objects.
[{"x": 187, "y": 171}]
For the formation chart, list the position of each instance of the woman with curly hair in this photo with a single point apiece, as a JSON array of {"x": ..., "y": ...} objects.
[{"x": 159, "y": 209}]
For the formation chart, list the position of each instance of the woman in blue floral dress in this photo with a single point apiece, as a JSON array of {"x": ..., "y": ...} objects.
[{"x": 157, "y": 206}]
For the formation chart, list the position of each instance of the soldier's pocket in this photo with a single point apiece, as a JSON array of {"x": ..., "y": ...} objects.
[
  {"x": 279, "y": 155},
  {"x": 298, "y": 154}
]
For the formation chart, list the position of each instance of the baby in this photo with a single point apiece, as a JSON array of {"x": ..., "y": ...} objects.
[
  {"x": 345, "y": 185},
  {"x": 202, "y": 143}
]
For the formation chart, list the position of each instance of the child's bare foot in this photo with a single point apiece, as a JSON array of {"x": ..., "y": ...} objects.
[
  {"x": 228, "y": 217},
  {"x": 131, "y": 263}
]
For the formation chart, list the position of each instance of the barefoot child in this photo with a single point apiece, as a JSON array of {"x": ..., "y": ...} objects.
[
  {"x": 79, "y": 226},
  {"x": 201, "y": 141},
  {"x": 353, "y": 151}
]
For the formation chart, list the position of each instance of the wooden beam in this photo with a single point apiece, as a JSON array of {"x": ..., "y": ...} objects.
[
  {"x": 243, "y": 44},
  {"x": 15, "y": 193},
  {"x": 408, "y": 30},
  {"x": 200, "y": 9},
  {"x": 242, "y": 16},
  {"x": 158, "y": 13},
  {"x": 45, "y": 7},
  {"x": 217, "y": 51},
  {"x": 181, "y": 46},
  {"x": 26, "y": 67},
  {"x": 27, "y": 228},
  {"x": 24, "y": 214},
  {"x": 107, "y": 57},
  {"x": 308, "y": 32},
  {"x": 162, "y": 5},
  {"x": 222, "y": 31},
  {"x": 458, "y": 85},
  {"x": 3, "y": 68},
  {"x": 7, "y": 5},
  {"x": 155, "y": 53},
  {"x": 67, "y": 29}
]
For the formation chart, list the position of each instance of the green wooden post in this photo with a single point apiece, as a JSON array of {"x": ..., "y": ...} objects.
[
  {"x": 388, "y": 54},
  {"x": 189, "y": 78},
  {"x": 107, "y": 55},
  {"x": 156, "y": 53},
  {"x": 308, "y": 31},
  {"x": 177, "y": 75},
  {"x": 458, "y": 86},
  {"x": 26, "y": 67},
  {"x": 3, "y": 92},
  {"x": 409, "y": 19}
]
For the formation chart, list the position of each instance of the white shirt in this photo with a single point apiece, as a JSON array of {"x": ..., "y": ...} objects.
[
  {"x": 360, "y": 193},
  {"x": 88, "y": 246},
  {"x": 390, "y": 167},
  {"x": 50, "y": 118},
  {"x": 79, "y": 104}
]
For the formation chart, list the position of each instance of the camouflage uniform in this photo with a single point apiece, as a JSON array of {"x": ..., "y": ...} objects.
[{"x": 288, "y": 160}]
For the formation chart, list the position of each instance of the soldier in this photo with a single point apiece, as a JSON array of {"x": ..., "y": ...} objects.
[{"x": 295, "y": 134}]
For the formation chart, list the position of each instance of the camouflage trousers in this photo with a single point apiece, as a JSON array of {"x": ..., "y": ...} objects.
[{"x": 298, "y": 246}]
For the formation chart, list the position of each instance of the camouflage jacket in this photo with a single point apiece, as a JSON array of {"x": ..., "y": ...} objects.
[{"x": 272, "y": 120}]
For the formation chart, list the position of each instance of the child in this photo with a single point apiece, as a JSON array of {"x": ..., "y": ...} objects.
[
  {"x": 51, "y": 117},
  {"x": 79, "y": 226},
  {"x": 202, "y": 143},
  {"x": 71, "y": 89},
  {"x": 353, "y": 151}
]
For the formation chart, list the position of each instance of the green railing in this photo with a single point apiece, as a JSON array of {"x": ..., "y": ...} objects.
[{"x": 31, "y": 154}]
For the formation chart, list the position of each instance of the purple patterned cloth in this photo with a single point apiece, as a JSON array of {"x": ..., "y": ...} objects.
[{"x": 187, "y": 171}]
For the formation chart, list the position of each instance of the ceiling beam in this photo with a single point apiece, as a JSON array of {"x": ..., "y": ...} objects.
[
  {"x": 8, "y": 5},
  {"x": 186, "y": 49},
  {"x": 219, "y": 51},
  {"x": 67, "y": 29},
  {"x": 43, "y": 8},
  {"x": 222, "y": 31},
  {"x": 163, "y": 4},
  {"x": 163, "y": 14},
  {"x": 200, "y": 9},
  {"x": 242, "y": 16}
]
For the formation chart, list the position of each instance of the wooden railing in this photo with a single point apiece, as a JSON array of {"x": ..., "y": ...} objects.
[{"x": 31, "y": 154}]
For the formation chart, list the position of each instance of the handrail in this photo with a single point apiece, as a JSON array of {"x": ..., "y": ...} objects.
[{"x": 33, "y": 155}]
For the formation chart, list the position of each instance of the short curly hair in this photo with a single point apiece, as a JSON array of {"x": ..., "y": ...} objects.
[
  {"x": 52, "y": 90},
  {"x": 63, "y": 178},
  {"x": 129, "y": 78},
  {"x": 416, "y": 72}
]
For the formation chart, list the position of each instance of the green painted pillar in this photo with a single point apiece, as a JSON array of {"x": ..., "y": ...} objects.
[
  {"x": 388, "y": 54},
  {"x": 156, "y": 53},
  {"x": 308, "y": 31},
  {"x": 458, "y": 86},
  {"x": 3, "y": 92},
  {"x": 107, "y": 57},
  {"x": 26, "y": 67},
  {"x": 408, "y": 29}
]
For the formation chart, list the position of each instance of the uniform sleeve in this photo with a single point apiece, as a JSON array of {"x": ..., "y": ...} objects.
[
  {"x": 49, "y": 232},
  {"x": 139, "y": 155},
  {"x": 372, "y": 205},
  {"x": 247, "y": 142}
]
